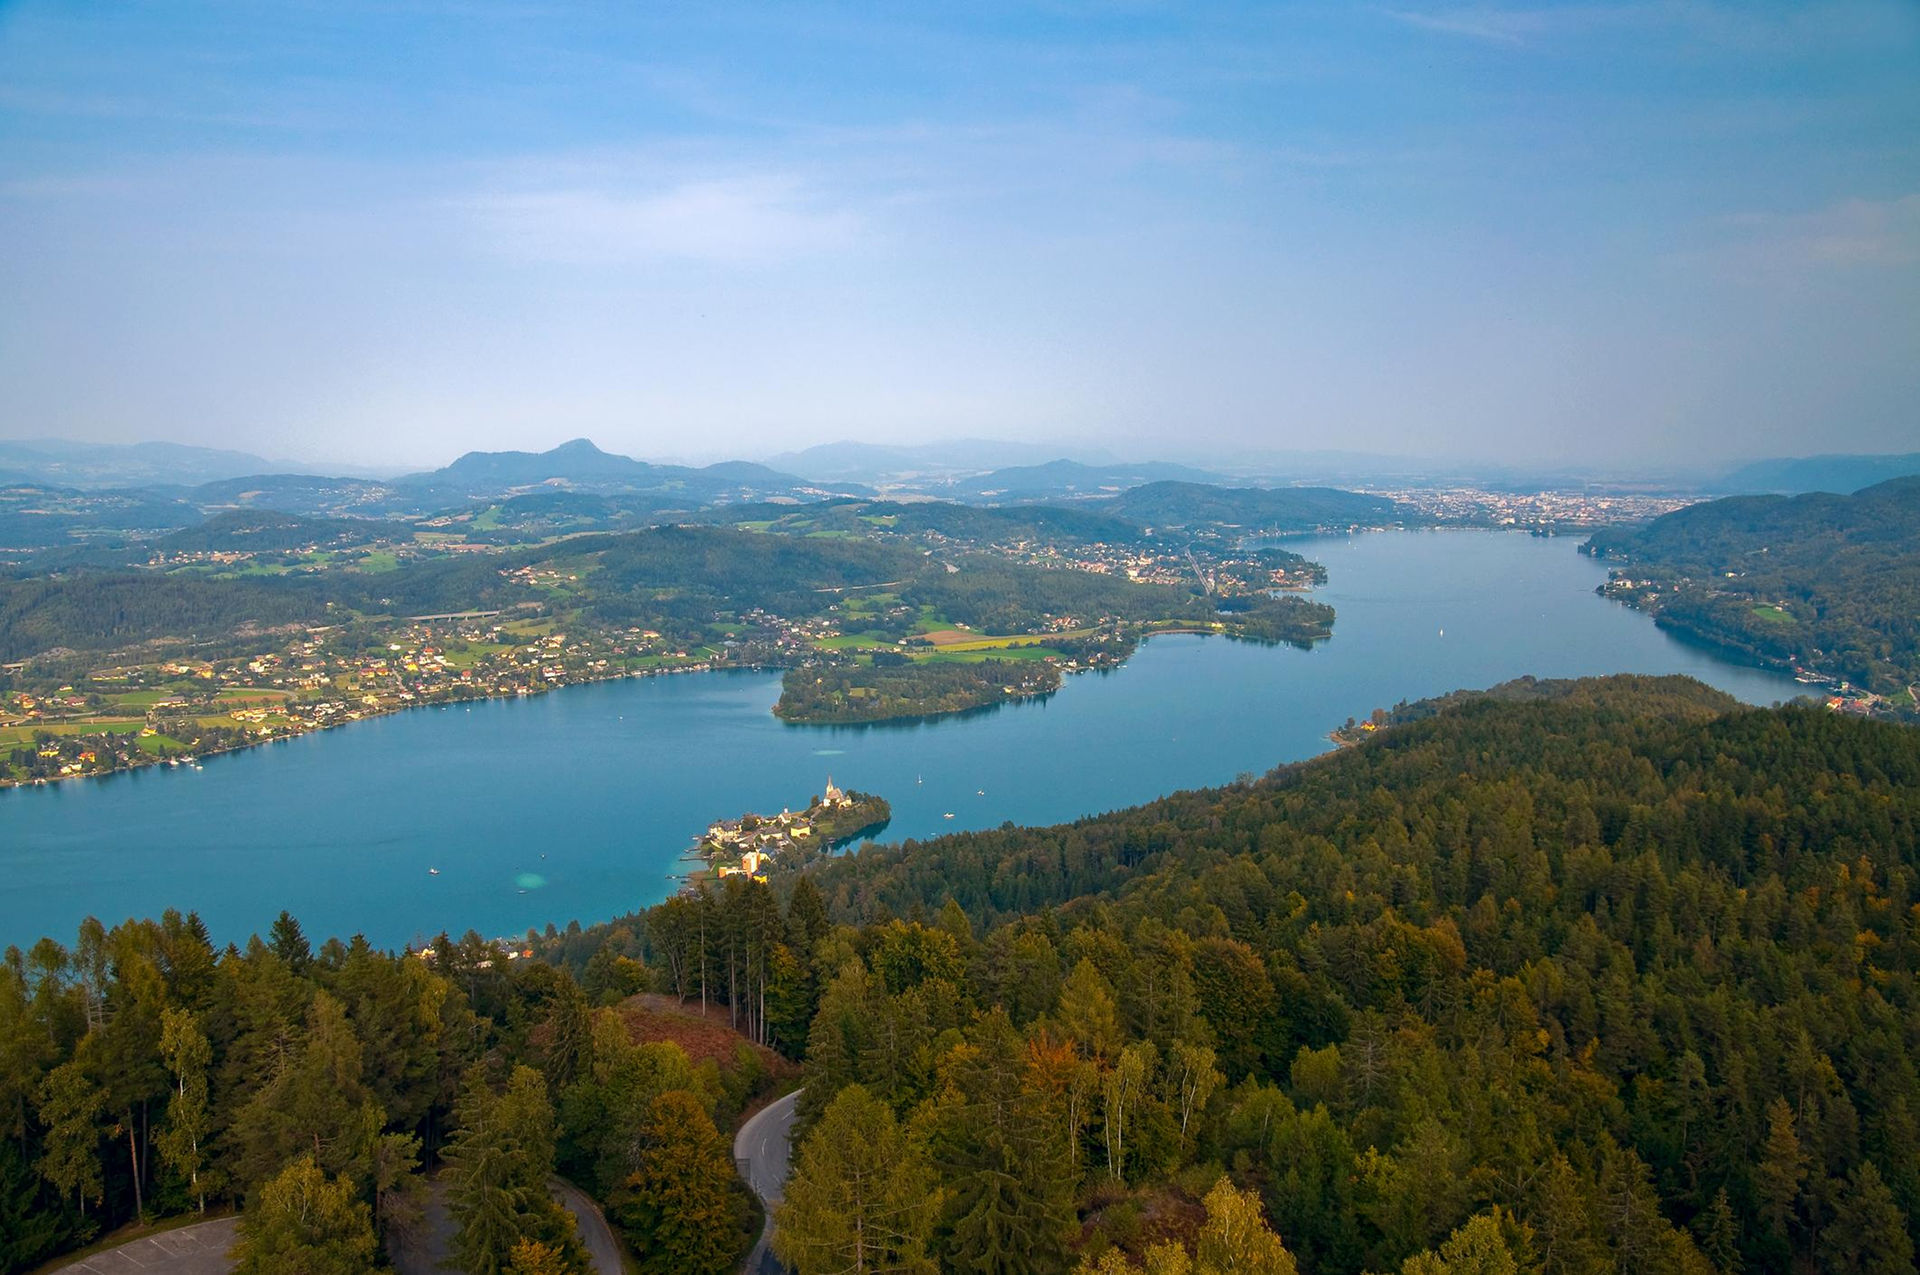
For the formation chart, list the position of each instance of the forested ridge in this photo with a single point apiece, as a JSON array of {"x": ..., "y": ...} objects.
[
  {"x": 1624, "y": 962},
  {"x": 1828, "y": 582},
  {"x": 1577, "y": 977}
]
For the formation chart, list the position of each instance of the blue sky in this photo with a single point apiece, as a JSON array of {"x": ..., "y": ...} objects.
[{"x": 385, "y": 230}]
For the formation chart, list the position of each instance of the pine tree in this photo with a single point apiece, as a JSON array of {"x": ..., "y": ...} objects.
[
  {"x": 569, "y": 1046},
  {"x": 531, "y": 1257},
  {"x": 498, "y": 1163},
  {"x": 1012, "y": 1205},
  {"x": 1718, "y": 1233},
  {"x": 1782, "y": 1170},
  {"x": 862, "y": 1196},
  {"x": 682, "y": 1206},
  {"x": 399, "y": 1193},
  {"x": 289, "y": 943},
  {"x": 1869, "y": 1233},
  {"x": 316, "y": 1104},
  {"x": 807, "y": 921},
  {"x": 1086, "y": 1011}
]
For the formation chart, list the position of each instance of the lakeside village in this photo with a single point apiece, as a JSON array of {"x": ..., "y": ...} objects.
[
  {"x": 175, "y": 710},
  {"x": 749, "y": 845}
]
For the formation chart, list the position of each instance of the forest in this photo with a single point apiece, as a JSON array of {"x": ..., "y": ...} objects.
[
  {"x": 895, "y": 687},
  {"x": 1828, "y": 582},
  {"x": 1609, "y": 975},
  {"x": 145, "y": 1073}
]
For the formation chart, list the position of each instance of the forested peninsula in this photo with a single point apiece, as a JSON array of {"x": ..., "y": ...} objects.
[
  {"x": 1604, "y": 975},
  {"x": 1825, "y": 585}
]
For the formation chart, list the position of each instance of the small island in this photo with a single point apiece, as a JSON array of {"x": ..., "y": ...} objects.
[{"x": 748, "y": 845}]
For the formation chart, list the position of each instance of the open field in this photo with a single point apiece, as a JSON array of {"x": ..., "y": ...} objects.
[
  {"x": 251, "y": 695},
  {"x": 14, "y": 736},
  {"x": 1020, "y": 651},
  {"x": 961, "y": 640},
  {"x": 140, "y": 699},
  {"x": 472, "y": 654}
]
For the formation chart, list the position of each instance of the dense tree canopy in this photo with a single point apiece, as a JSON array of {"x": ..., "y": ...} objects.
[{"x": 1625, "y": 963}]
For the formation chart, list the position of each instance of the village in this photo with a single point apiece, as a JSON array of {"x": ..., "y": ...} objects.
[
  {"x": 132, "y": 715},
  {"x": 747, "y": 846}
]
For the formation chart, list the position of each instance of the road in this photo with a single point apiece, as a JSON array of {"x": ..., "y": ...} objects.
[
  {"x": 428, "y": 1248},
  {"x": 595, "y": 1234},
  {"x": 762, "y": 1151},
  {"x": 200, "y": 1249}
]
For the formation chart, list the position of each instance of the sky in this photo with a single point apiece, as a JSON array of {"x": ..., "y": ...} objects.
[{"x": 390, "y": 231}]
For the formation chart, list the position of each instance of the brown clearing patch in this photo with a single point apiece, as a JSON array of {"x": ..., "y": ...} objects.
[
  {"x": 947, "y": 637},
  {"x": 651, "y": 1017}
]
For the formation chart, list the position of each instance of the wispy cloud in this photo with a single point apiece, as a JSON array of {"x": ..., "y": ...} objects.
[
  {"x": 1857, "y": 232},
  {"x": 1752, "y": 28},
  {"x": 1495, "y": 26},
  {"x": 729, "y": 220},
  {"x": 1852, "y": 233}
]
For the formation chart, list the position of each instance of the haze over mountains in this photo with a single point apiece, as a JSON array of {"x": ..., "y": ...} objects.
[
  {"x": 1838, "y": 474},
  {"x": 84, "y": 465},
  {"x": 973, "y": 470}
]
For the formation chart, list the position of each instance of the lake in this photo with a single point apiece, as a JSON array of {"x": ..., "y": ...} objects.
[{"x": 577, "y": 804}]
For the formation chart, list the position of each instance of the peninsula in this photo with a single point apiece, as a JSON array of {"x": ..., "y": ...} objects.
[{"x": 748, "y": 845}]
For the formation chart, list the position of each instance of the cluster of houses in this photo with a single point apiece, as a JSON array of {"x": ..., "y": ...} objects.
[{"x": 745, "y": 846}]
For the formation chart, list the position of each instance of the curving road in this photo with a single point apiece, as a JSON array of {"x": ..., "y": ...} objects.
[
  {"x": 597, "y": 1237},
  {"x": 428, "y": 1249},
  {"x": 762, "y": 1152}
]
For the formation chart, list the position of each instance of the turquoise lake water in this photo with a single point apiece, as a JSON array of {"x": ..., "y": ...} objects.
[{"x": 576, "y": 804}]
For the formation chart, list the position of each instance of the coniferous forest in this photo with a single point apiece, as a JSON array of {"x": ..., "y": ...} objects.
[{"x": 1613, "y": 975}]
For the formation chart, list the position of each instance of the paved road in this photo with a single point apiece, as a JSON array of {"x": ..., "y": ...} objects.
[
  {"x": 602, "y": 1248},
  {"x": 431, "y": 1243},
  {"x": 200, "y": 1249},
  {"x": 762, "y": 1150}
]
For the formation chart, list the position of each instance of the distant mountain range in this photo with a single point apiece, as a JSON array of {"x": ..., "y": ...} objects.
[
  {"x": 1067, "y": 479},
  {"x": 882, "y": 463},
  {"x": 580, "y": 466},
  {"x": 1838, "y": 474},
  {"x": 85, "y": 466}
]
